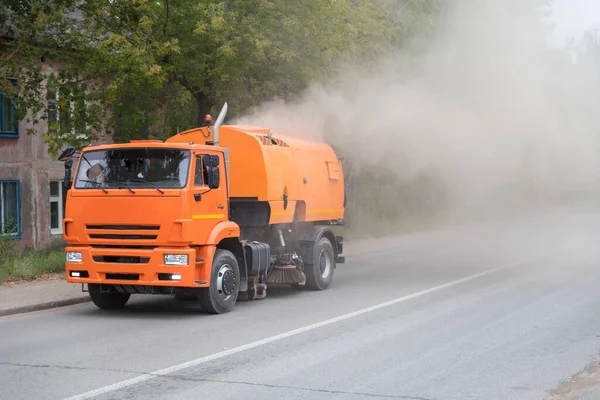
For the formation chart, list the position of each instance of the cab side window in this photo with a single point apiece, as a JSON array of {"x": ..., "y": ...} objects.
[{"x": 201, "y": 174}]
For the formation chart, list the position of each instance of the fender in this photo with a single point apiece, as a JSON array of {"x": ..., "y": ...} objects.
[
  {"x": 223, "y": 230},
  {"x": 203, "y": 265},
  {"x": 206, "y": 252},
  {"x": 307, "y": 238}
]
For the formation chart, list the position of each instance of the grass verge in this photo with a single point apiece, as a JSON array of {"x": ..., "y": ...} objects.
[{"x": 29, "y": 265}]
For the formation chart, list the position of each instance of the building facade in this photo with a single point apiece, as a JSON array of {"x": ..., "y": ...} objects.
[{"x": 31, "y": 195}]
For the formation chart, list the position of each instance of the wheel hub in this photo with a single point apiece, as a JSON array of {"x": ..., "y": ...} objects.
[
  {"x": 324, "y": 264},
  {"x": 226, "y": 282}
]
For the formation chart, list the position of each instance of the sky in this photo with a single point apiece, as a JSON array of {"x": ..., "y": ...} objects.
[{"x": 572, "y": 19}]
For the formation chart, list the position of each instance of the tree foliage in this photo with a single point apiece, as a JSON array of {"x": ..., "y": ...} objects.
[{"x": 141, "y": 68}]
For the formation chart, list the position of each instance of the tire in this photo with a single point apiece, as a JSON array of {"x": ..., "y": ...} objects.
[
  {"x": 222, "y": 294},
  {"x": 320, "y": 274},
  {"x": 107, "y": 301}
]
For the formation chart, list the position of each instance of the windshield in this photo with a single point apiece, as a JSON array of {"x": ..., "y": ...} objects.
[{"x": 133, "y": 168}]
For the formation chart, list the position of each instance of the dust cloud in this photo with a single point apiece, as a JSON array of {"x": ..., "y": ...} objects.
[{"x": 487, "y": 113}]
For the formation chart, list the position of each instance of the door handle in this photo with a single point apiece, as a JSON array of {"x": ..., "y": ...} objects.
[{"x": 221, "y": 206}]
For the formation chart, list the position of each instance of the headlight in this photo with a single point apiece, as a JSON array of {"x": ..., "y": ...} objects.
[
  {"x": 74, "y": 257},
  {"x": 176, "y": 259}
]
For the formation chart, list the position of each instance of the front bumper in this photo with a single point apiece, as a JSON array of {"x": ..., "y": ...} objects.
[{"x": 121, "y": 266}]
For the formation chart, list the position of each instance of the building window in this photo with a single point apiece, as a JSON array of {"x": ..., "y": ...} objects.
[
  {"x": 56, "y": 207},
  {"x": 61, "y": 109},
  {"x": 9, "y": 126},
  {"x": 52, "y": 111},
  {"x": 10, "y": 208}
]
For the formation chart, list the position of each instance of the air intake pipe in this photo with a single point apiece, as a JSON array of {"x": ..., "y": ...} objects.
[{"x": 218, "y": 123}]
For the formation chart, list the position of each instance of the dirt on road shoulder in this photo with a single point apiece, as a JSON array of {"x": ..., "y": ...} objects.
[{"x": 581, "y": 386}]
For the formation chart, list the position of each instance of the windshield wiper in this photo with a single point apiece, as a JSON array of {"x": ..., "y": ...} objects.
[
  {"x": 149, "y": 183},
  {"x": 121, "y": 185},
  {"x": 95, "y": 183}
]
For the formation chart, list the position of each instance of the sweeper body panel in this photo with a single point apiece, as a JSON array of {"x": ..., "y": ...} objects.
[
  {"x": 216, "y": 214},
  {"x": 289, "y": 178}
]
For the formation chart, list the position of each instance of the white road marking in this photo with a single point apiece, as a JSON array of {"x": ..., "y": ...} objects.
[{"x": 235, "y": 350}]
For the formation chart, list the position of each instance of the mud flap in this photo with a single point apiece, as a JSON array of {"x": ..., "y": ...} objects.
[{"x": 340, "y": 250}]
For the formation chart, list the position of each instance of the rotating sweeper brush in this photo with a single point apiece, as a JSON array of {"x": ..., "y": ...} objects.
[
  {"x": 286, "y": 274},
  {"x": 287, "y": 269}
]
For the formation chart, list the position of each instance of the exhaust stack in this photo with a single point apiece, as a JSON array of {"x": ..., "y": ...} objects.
[{"x": 218, "y": 123}]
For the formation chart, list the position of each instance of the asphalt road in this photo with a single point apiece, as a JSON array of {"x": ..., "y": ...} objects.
[{"x": 495, "y": 311}]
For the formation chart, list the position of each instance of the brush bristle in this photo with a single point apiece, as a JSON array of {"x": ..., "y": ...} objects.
[{"x": 283, "y": 276}]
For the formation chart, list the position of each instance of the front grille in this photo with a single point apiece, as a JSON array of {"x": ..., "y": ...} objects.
[
  {"x": 123, "y": 277},
  {"x": 122, "y": 246},
  {"x": 124, "y": 227},
  {"x": 122, "y": 259},
  {"x": 150, "y": 232},
  {"x": 122, "y": 237}
]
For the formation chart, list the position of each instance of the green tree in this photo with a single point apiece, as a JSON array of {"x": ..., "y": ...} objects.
[{"x": 150, "y": 68}]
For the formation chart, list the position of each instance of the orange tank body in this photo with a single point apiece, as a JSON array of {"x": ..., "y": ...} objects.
[{"x": 265, "y": 169}]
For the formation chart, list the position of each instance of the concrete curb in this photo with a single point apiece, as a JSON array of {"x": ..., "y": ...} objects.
[{"x": 45, "y": 306}]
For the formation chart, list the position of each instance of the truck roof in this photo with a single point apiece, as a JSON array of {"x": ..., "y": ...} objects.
[
  {"x": 196, "y": 139},
  {"x": 256, "y": 131}
]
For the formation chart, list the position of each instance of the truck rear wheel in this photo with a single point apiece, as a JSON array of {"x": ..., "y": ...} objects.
[
  {"x": 106, "y": 300},
  {"x": 319, "y": 274},
  {"x": 222, "y": 294}
]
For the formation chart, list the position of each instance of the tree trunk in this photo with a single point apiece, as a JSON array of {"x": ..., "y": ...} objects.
[{"x": 205, "y": 106}]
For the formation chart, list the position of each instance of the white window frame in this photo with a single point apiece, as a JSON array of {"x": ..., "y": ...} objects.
[
  {"x": 71, "y": 107},
  {"x": 59, "y": 200}
]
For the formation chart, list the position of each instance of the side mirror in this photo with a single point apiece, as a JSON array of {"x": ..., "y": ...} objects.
[
  {"x": 213, "y": 177},
  {"x": 211, "y": 160},
  {"x": 68, "y": 165},
  {"x": 66, "y": 154}
]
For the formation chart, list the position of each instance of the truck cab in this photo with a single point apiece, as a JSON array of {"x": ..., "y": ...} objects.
[{"x": 146, "y": 213}]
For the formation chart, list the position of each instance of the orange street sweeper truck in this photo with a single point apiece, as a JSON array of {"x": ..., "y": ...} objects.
[{"x": 216, "y": 213}]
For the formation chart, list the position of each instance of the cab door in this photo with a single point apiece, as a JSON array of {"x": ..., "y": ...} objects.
[{"x": 209, "y": 194}]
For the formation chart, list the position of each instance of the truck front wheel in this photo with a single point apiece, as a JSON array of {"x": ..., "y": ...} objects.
[
  {"x": 222, "y": 294},
  {"x": 319, "y": 274},
  {"x": 107, "y": 300}
]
